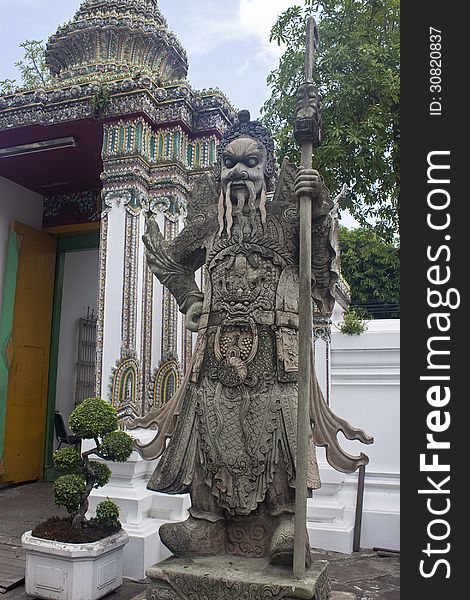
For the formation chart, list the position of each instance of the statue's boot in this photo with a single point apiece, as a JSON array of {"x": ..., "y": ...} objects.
[
  {"x": 195, "y": 536},
  {"x": 282, "y": 542}
]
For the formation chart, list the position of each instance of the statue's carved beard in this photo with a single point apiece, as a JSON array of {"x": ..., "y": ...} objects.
[{"x": 245, "y": 222}]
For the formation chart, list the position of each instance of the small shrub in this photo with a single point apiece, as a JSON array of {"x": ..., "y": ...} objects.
[
  {"x": 67, "y": 459},
  {"x": 101, "y": 472},
  {"x": 69, "y": 491},
  {"x": 107, "y": 514},
  {"x": 116, "y": 446},
  {"x": 93, "y": 418},
  {"x": 354, "y": 322}
]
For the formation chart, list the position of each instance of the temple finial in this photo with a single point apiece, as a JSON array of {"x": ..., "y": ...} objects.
[{"x": 244, "y": 116}]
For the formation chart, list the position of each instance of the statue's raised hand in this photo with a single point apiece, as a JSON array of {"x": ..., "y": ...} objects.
[{"x": 192, "y": 316}]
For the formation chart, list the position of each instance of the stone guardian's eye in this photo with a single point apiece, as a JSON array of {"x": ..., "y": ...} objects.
[
  {"x": 252, "y": 162},
  {"x": 229, "y": 162}
]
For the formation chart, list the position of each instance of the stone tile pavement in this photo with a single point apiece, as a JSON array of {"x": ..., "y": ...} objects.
[{"x": 367, "y": 575}]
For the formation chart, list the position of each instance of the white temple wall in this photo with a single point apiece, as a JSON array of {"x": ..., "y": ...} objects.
[
  {"x": 364, "y": 391},
  {"x": 140, "y": 281},
  {"x": 80, "y": 288},
  {"x": 365, "y": 386},
  {"x": 157, "y": 322},
  {"x": 322, "y": 359},
  {"x": 17, "y": 203},
  {"x": 113, "y": 293},
  {"x": 157, "y": 310}
]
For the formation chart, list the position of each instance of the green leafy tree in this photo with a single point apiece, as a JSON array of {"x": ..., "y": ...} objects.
[
  {"x": 33, "y": 69},
  {"x": 93, "y": 419},
  {"x": 7, "y": 86},
  {"x": 370, "y": 265},
  {"x": 357, "y": 75}
]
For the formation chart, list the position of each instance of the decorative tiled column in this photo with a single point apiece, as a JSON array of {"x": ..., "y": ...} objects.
[
  {"x": 147, "y": 173},
  {"x": 120, "y": 296},
  {"x": 116, "y": 65},
  {"x": 138, "y": 365},
  {"x": 135, "y": 188}
]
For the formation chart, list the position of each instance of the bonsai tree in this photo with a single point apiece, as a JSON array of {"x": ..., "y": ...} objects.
[{"x": 92, "y": 419}]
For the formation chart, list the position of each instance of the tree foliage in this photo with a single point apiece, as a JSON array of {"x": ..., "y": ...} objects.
[
  {"x": 357, "y": 75},
  {"x": 370, "y": 265},
  {"x": 107, "y": 513},
  {"x": 33, "y": 69},
  {"x": 92, "y": 418}
]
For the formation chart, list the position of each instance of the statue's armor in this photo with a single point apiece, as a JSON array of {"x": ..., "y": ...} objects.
[
  {"x": 232, "y": 423},
  {"x": 238, "y": 418}
]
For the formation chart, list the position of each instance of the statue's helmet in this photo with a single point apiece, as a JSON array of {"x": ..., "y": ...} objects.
[{"x": 244, "y": 127}]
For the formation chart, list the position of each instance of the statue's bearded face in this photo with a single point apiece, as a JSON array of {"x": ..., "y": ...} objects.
[{"x": 243, "y": 167}]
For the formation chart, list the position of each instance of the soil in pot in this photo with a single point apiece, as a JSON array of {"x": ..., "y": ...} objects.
[{"x": 60, "y": 529}]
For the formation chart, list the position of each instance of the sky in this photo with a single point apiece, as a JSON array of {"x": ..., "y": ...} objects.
[{"x": 227, "y": 42}]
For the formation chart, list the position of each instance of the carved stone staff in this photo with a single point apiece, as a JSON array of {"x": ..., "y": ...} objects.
[{"x": 307, "y": 133}]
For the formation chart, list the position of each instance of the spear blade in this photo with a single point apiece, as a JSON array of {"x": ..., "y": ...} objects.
[{"x": 311, "y": 48}]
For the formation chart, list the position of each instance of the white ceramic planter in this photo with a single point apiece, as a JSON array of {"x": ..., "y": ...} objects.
[{"x": 60, "y": 571}]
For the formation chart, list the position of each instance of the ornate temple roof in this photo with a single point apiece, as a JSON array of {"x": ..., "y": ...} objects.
[
  {"x": 121, "y": 37},
  {"x": 114, "y": 61}
]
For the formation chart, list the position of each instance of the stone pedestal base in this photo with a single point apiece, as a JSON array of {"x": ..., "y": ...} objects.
[{"x": 231, "y": 578}]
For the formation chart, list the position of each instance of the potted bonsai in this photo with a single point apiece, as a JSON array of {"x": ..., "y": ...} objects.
[{"x": 72, "y": 557}]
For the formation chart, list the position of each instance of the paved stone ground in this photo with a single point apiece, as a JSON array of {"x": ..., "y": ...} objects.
[{"x": 365, "y": 574}]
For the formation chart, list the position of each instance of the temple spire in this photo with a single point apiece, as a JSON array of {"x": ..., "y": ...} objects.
[{"x": 119, "y": 37}]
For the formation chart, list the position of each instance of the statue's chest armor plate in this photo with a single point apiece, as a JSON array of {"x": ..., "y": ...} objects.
[
  {"x": 250, "y": 313},
  {"x": 243, "y": 282}
]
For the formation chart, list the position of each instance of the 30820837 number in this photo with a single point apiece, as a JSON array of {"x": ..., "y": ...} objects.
[{"x": 435, "y": 71}]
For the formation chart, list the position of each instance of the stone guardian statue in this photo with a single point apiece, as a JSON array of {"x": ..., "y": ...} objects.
[{"x": 228, "y": 436}]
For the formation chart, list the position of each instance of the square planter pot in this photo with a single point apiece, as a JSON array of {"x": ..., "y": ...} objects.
[{"x": 62, "y": 571}]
